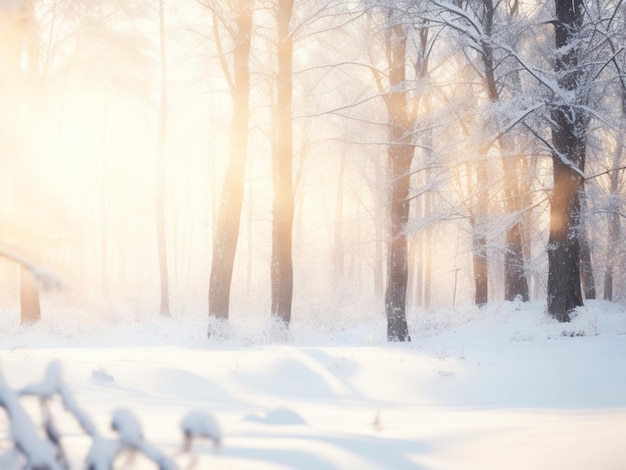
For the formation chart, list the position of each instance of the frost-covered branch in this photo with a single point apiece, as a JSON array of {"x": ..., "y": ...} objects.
[
  {"x": 46, "y": 453},
  {"x": 46, "y": 279},
  {"x": 39, "y": 453}
]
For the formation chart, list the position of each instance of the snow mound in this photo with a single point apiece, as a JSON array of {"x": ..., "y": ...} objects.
[{"x": 278, "y": 417}]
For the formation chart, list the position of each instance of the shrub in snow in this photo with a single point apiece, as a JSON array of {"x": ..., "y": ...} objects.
[
  {"x": 37, "y": 450},
  {"x": 200, "y": 425}
]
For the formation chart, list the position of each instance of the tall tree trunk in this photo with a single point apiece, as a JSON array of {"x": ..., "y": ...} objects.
[
  {"x": 568, "y": 162},
  {"x": 226, "y": 233},
  {"x": 399, "y": 155},
  {"x": 282, "y": 166},
  {"x": 161, "y": 180}
]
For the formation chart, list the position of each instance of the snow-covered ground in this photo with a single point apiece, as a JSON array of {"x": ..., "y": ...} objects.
[{"x": 504, "y": 387}]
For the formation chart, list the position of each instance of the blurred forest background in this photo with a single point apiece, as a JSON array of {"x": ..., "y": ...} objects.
[{"x": 119, "y": 129}]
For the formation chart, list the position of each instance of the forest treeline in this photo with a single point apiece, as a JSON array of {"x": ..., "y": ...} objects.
[{"x": 420, "y": 153}]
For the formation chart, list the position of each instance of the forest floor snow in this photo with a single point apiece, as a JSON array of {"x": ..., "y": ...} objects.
[{"x": 501, "y": 387}]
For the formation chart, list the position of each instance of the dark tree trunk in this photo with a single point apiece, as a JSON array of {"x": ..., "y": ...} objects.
[
  {"x": 397, "y": 271},
  {"x": 226, "y": 232},
  {"x": 400, "y": 155},
  {"x": 30, "y": 311},
  {"x": 564, "y": 288},
  {"x": 282, "y": 165},
  {"x": 568, "y": 161},
  {"x": 161, "y": 183}
]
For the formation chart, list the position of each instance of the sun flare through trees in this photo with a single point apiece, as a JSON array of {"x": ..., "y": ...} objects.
[{"x": 291, "y": 158}]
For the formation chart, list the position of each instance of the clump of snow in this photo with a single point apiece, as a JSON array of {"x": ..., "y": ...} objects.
[
  {"x": 101, "y": 375},
  {"x": 38, "y": 452},
  {"x": 131, "y": 437},
  {"x": 128, "y": 428}
]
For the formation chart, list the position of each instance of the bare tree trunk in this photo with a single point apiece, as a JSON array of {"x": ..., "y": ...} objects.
[
  {"x": 226, "y": 231},
  {"x": 283, "y": 207},
  {"x": 29, "y": 297},
  {"x": 161, "y": 179},
  {"x": 568, "y": 163},
  {"x": 399, "y": 156}
]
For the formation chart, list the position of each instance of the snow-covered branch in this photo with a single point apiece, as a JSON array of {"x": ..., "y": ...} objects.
[{"x": 43, "y": 451}]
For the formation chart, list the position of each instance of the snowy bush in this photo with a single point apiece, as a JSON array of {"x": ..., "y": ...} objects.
[{"x": 39, "y": 446}]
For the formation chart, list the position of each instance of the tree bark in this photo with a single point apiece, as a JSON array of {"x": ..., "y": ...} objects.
[
  {"x": 568, "y": 126},
  {"x": 226, "y": 233},
  {"x": 282, "y": 165},
  {"x": 399, "y": 156}
]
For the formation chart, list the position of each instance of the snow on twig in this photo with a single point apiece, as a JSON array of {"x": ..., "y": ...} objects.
[
  {"x": 131, "y": 437},
  {"x": 40, "y": 454}
]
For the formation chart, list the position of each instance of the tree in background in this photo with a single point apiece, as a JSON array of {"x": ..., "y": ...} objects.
[
  {"x": 401, "y": 119},
  {"x": 15, "y": 23},
  {"x": 162, "y": 154},
  {"x": 226, "y": 232},
  {"x": 487, "y": 32},
  {"x": 282, "y": 169}
]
